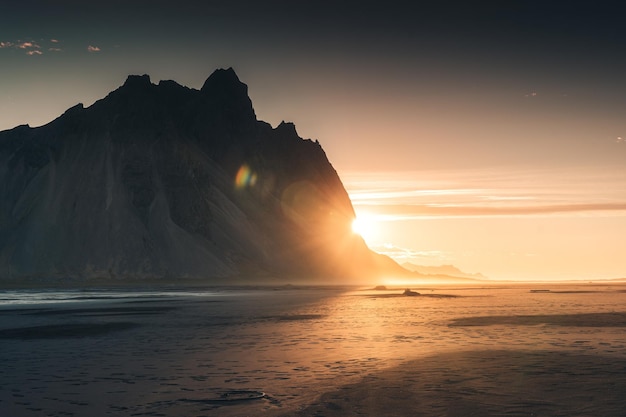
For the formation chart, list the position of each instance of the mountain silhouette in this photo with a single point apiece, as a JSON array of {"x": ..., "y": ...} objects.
[
  {"x": 442, "y": 270},
  {"x": 163, "y": 182}
]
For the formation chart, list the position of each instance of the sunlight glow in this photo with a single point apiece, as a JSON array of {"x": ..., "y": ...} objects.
[
  {"x": 366, "y": 227},
  {"x": 358, "y": 226},
  {"x": 430, "y": 217}
]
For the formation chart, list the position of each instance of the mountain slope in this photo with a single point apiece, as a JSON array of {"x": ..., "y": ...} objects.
[
  {"x": 166, "y": 182},
  {"x": 447, "y": 270}
]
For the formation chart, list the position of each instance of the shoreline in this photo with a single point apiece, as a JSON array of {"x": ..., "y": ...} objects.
[{"x": 316, "y": 351}]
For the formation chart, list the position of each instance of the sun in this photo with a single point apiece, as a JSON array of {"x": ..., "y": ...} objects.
[
  {"x": 358, "y": 226},
  {"x": 364, "y": 227}
]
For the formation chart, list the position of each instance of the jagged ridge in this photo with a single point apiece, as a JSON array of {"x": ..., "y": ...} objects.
[{"x": 167, "y": 182}]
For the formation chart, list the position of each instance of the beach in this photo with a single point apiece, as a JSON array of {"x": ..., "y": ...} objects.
[{"x": 497, "y": 350}]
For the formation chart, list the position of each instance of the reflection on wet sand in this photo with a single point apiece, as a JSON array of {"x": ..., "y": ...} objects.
[
  {"x": 318, "y": 351},
  {"x": 484, "y": 383},
  {"x": 617, "y": 319}
]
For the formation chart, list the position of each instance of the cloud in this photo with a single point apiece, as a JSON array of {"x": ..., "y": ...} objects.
[
  {"x": 28, "y": 45},
  {"x": 31, "y": 47},
  {"x": 416, "y": 211},
  {"x": 404, "y": 254},
  {"x": 490, "y": 192}
]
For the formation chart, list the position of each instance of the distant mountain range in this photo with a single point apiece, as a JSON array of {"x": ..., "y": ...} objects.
[
  {"x": 449, "y": 270},
  {"x": 163, "y": 182}
]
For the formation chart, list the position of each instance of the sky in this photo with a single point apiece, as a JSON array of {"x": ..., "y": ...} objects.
[{"x": 489, "y": 135}]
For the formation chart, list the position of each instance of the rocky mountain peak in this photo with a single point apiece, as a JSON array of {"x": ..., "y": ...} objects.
[
  {"x": 224, "y": 79},
  {"x": 287, "y": 128},
  {"x": 133, "y": 81},
  {"x": 228, "y": 94},
  {"x": 163, "y": 182}
]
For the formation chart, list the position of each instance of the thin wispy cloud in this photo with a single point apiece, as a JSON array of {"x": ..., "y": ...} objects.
[
  {"x": 408, "y": 211},
  {"x": 6, "y": 45},
  {"x": 92, "y": 48},
  {"x": 409, "y": 195},
  {"x": 401, "y": 254},
  {"x": 34, "y": 52}
]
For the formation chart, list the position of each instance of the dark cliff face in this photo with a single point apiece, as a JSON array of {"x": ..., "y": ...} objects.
[{"x": 166, "y": 182}]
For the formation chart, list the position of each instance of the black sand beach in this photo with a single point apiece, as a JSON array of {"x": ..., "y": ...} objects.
[
  {"x": 485, "y": 383},
  {"x": 502, "y": 351}
]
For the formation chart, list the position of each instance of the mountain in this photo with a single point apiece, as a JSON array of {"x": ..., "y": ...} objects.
[
  {"x": 163, "y": 182},
  {"x": 448, "y": 270}
]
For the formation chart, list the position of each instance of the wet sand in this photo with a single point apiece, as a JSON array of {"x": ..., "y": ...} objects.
[
  {"x": 485, "y": 383},
  {"x": 500, "y": 351}
]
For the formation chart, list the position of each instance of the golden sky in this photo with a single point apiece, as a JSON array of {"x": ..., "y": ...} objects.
[
  {"x": 533, "y": 224},
  {"x": 488, "y": 135}
]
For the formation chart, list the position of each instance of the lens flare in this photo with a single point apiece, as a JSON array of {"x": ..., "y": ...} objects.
[{"x": 245, "y": 177}]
